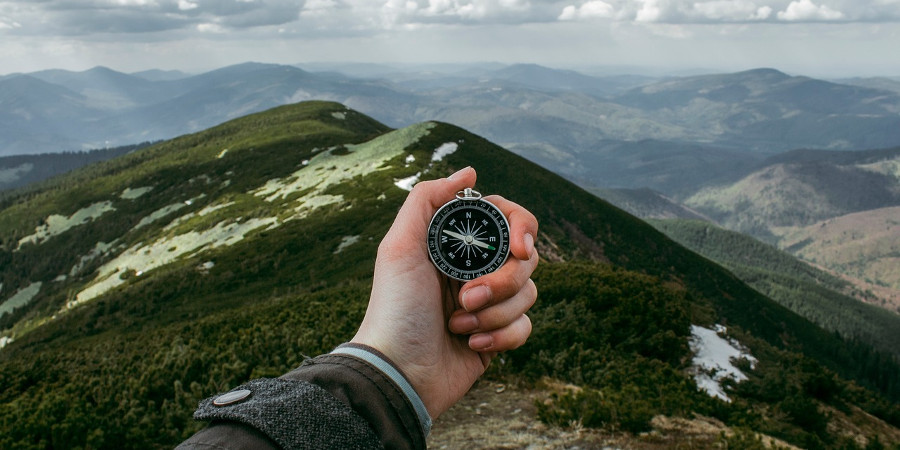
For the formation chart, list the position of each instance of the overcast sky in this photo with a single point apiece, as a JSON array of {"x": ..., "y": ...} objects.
[{"x": 812, "y": 37}]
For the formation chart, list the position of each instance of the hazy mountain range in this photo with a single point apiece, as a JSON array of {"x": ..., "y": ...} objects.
[
  {"x": 722, "y": 144},
  {"x": 133, "y": 287},
  {"x": 757, "y": 112}
]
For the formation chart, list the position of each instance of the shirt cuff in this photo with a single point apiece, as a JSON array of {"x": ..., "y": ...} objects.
[{"x": 387, "y": 367}]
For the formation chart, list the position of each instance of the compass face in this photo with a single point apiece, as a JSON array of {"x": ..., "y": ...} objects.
[{"x": 468, "y": 238}]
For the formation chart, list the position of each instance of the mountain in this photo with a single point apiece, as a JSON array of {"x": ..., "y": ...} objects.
[
  {"x": 768, "y": 111},
  {"x": 835, "y": 209},
  {"x": 761, "y": 111},
  {"x": 647, "y": 204},
  {"x": 136, "y": 286},
  {"x": 883, "y": 83},
  {"x": 35, "y": 114},
  {"x": 161, "y": 75},
  {"x": 55, "y": 111},
  {"x": 104, "y": 88},
  {"x": 554, "y": 80},
  {"x": 803, "y": 187}
]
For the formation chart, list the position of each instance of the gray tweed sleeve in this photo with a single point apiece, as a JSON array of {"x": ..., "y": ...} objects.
[{"x": 294, "y": 414}]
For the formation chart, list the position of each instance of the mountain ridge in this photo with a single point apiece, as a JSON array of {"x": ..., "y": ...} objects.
[{"x": 717, "y": 111}]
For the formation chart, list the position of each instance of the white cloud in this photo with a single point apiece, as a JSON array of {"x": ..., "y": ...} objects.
[
  {"x": 590, "y": 10},
  {"x": 762, "y": 13},
  {"x": 186, "y": 5},
  {"x": 210, "y": 28},
  {"x": 650, "y": 11},
  {"x": 806, "y": 10},
  {"x": 732, "y": 11}
]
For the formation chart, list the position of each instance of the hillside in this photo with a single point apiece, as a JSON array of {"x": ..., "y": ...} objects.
[
  {"x": 136, "y": 286},
  {"x": 792, "y": 200},
  {"x": 647, "y": 204},
  {"x": 819, "y": 296},
  {"x": 862, "y": 245}
]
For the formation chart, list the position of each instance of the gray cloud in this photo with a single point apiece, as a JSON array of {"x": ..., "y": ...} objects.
[
  {"x": 174, "y": 18},
  {"x": 85, "y": 17}
]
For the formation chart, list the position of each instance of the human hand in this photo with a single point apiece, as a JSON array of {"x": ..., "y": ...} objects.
[{"x": 443, "y": 336}]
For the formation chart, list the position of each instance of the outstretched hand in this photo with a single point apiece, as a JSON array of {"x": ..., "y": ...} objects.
[{"x": 440, "y": 334}]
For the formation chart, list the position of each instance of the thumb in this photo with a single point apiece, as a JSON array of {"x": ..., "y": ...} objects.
[{"x": 407, "y": 234}]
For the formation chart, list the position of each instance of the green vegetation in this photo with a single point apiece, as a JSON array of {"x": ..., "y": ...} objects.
[
  {"x": 798, "y": 286},
  {"x": 617, "y": 298}
]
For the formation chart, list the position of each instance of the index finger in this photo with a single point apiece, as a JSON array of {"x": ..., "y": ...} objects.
[
  {"x": 498, "y": 286},
  {"x": 523, "y": 226}
]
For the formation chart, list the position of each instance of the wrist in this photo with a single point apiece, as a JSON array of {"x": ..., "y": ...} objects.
[{"x": 384, "y": 364}]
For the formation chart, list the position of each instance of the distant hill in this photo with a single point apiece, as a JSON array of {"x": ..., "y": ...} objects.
[
  {"x": 884, "y": 83},
  {"x": 60, "y": 110},
  {"x": 768, "y": 111},
  {"x": 801, "y": 188},
  {"x": 647, "y": 204},
  {"x": 161, "y": 75},
  {"x": 23, "y": 170},
  {"x": 863, "y": 245},
  {"x": 831, "y": 208},
  {"x": 136, "y": 286}
]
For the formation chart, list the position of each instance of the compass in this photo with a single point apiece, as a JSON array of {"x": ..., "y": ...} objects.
[{"x": 468, "y": 237}]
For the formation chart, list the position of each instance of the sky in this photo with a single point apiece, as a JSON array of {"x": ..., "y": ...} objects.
[{"x": 830, "y": 38}]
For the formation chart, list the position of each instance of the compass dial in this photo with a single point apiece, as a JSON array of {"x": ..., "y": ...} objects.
[{"x": 468, "y": 237}]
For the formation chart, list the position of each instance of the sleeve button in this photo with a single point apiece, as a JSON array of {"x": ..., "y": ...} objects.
[{"x": 232, "y": 397}]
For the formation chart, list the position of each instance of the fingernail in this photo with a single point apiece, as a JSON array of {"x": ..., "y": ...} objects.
[
  {"x": 481, "y": 341},
  {"x": 465, "y": 323},
  {"x": 475, "y": 298},
  {"x": 456, "y": 174},
  {"x": 529, "y": 244}
]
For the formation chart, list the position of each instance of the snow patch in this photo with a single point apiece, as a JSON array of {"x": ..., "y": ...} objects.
[
  {"x": 20, "y": 298},
  {"x": 5, "y": 340},
  {"x": 206, "y": 267},
  {"x": 202, "y": 212},
  {"x": 165, "y": 211},
  {"x": 346, "y": 242},
  {"x": 56, "y": 224},
  {"x": 444, "y": 150},
  {"x": 142, "y": 258},
  {"x": 410, "y": 159},
  {"x": 407, "y": 183},
  {"x": 131, "y": 194},
  {"x": 309, "y": 204},
  {"x": 340, "y": 115},
  {"x": 329, "y": 169},
  {"x": 713, "y": 357}
]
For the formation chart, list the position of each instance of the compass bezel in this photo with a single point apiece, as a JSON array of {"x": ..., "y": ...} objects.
[{"x": 438, "y": 250}]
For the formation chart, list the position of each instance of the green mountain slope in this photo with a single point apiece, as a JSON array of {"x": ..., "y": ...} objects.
[
  {"x": 804, "y": 289},
  {"x": 147, "y": 282}
]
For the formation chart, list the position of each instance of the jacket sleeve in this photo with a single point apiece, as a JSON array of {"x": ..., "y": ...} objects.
[{"x": 353, "y": 397}]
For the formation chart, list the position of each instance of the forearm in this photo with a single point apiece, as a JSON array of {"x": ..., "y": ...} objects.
[{"x": 337, "y": 400}]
